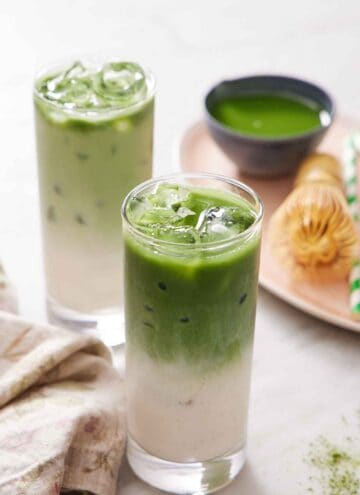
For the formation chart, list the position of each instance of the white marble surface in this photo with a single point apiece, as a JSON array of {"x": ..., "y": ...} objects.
[{"x": 306, "y": 373}]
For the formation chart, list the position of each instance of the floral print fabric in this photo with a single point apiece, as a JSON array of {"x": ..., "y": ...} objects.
[{"x": 62, "y": 423}]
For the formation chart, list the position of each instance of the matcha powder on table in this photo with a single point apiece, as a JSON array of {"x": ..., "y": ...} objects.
[
  {"x": 335, "y": 468},
  {"x": 337, "y": 471}
]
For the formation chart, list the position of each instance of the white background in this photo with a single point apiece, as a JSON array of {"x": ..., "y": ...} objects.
[{"x": 306, "y": 373}]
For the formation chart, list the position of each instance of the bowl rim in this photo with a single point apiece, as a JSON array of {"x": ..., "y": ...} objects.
[{"x": 270, "y": 140}]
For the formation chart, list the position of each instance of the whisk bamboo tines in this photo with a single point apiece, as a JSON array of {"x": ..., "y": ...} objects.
[{"x": 312, "y": 232}]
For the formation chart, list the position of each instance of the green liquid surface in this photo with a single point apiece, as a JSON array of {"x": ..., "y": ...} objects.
[
  {"x": 268, "y": 115},
  {"x": 185, "y": 215},
  {"x": 185, "y": 302}
]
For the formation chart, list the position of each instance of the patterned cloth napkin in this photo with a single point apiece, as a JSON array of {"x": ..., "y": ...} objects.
[{"x": 61, "y": 409}]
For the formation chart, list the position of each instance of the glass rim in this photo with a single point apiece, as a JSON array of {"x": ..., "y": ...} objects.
[
  {"x": 194, "y": 175},
  {"x": 92, "y": 113}
]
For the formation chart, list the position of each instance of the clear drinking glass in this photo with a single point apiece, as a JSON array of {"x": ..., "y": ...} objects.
[
  {"x": 94, "y": 132},
  {"x": 190, "y": 304}
]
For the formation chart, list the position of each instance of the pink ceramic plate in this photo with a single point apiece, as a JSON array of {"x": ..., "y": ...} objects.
[{"x": 198, "y": 152}]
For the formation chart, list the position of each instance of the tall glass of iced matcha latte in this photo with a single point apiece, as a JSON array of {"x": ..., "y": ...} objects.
[
  {"x": 94, "y": 129},
  {"x": 191, "y": 269}
]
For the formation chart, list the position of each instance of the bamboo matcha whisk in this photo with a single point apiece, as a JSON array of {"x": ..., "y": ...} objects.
[{"x": 312, "y": 232}]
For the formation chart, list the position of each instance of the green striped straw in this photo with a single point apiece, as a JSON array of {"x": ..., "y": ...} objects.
[{"x": 351, "y": 152}]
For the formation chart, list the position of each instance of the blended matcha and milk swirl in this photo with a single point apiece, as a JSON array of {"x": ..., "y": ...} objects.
[
  {"x": 190, "y": 285},
  {"x": 191, "y": 265},
  {"x": 94, "y": 128}
]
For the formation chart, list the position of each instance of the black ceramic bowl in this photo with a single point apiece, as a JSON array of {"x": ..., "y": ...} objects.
[{"x": 267, "y": 157}]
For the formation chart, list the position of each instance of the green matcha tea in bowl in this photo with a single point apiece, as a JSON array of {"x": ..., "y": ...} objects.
[
  {"x": 192, "y": 245},
  {"x": 267, "y": 124},
  {"x": 94, "y": 130}
]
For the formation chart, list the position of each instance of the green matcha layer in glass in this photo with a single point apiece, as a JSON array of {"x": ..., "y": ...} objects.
[
  {"x": 94, "y": 130},
  {"x": 191, "y": 271}
]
